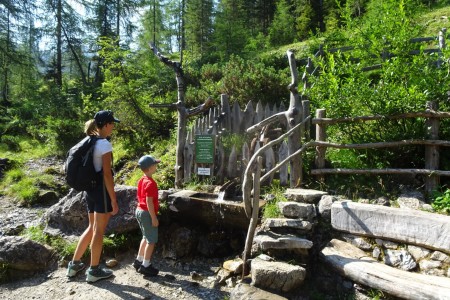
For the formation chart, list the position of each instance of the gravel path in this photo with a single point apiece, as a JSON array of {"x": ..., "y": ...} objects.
[{"x": 175, "y": 281}]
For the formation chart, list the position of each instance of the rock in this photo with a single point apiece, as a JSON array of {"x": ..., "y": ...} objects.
[
  {"x": 386, "y": 244},
  {"x": 376, "y": 253},
  {"x": 196, "y": 276},
  {"x": 325, "y": 206},
  {"x": 276, "y": 276},
  {"x": 295, "y": 210},
  {"x": 23, "y": 257},
  {"x": 357, "y": 241},
  {"x": 296, "y": 224},
  {"x": 426, "y": 265},
  {"x": 439, "y": 256},
  {"x": 69, "y": 215},
  {"x": 182, "y": 243},
  {"x": 271, "y": 240},
  {"x": 234, "y": 266},
  {"x": 304, "y": 195},
  {"x": 418, "y": 252},
  {"x": 244, "y": 291},
  {"x": 399, "y": 258},
  {"x": 111, "y": 263}
]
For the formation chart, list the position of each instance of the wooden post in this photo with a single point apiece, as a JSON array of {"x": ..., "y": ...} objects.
[
  {"x": 321, "y": 136},
  {"x": 254, "y": 217},
  {"x": 441, "y": 37},
  {"x": 293, "y": 116},
  {"x": 432, "y": 152}
]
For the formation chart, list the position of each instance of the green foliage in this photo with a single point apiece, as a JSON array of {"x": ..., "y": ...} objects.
[
  {"x": 404, "y": 83},
  {"x": 58, "y": 134},
  {"x": 4, "y": 273},
  {"x": 25, "y": 187},
  {"x": 441, "y": 202},
  {"x": 376, "y": 294},
  {"x": 281, "y": 31},
  {"x": 121, "y": 242},
  {"x": 11, "y": 142},
  {"x": 61, "y": 246},
  {"x": 270, "y": 209},
  {"x": 131, "y": 82}
]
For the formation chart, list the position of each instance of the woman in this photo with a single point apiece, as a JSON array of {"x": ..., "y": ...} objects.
[{"x": 101, "y": 202}]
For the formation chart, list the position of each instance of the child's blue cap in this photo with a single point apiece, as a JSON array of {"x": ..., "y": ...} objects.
[{"x": 147, "y": 161}]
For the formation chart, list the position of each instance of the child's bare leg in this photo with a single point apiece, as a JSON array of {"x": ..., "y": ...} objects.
[
  {"x": 149, "y": 248},
  {"x": 142, "y": 249}
]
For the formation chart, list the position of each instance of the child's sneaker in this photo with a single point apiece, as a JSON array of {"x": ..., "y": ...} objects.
[
  {"x": 95, "y": 274},
  {"x": 74, "y": 268},
  {"x": 136, "y": 264},
  {"x": 148, "y": 271}
]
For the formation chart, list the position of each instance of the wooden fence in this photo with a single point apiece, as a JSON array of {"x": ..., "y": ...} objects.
[
  {"x": 261, "y": 128},
  {"x": 228, "y": 122},
  {"x": 431, "y": 143}
]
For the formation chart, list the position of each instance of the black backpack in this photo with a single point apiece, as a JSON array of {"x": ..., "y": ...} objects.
[{"x": 79, "y": 168}]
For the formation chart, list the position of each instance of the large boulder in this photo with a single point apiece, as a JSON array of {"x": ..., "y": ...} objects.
[
  {"x": 21, "y": 257},
  {"x": 69, "y": 216}
]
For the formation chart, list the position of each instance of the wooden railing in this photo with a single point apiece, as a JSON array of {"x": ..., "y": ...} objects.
[{"x": 431, "y": 144}]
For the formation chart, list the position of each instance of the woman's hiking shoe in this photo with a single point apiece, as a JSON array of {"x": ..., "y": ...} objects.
[
  {"x": 148, "y": 271},
  {"x": 136, "y": 264},
  {"x": 95, "y": 274},
  {"x": 74, "y": 268}
]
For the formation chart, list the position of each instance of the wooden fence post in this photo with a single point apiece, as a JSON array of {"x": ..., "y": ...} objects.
[
  {"x": 321, "y": 136},
  {"x": 432, "y": 151}
]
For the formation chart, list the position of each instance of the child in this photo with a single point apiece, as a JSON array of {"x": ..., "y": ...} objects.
[{"x": 146, "y": 211}]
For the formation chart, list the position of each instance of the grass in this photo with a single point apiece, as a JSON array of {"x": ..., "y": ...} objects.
[
  {"x": 270, "y": 209},
  {"x": 435, "y": 20}
]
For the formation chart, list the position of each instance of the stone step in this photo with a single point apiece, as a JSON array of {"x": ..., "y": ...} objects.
[
  {"x": 304, "y": 195},
  {"x": 275, "y": 275},
  {"x": 270, "y": 240},
  {"x": 296, "y": 210},
  {"x": 284, "y": 223},
  {"x": 354, "y": 264}
]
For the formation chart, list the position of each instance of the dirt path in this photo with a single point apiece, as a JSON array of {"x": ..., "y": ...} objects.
[{"x": 173, "y": 282}]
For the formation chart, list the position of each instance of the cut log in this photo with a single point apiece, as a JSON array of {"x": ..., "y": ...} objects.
[{"x": 354, "y": 264}]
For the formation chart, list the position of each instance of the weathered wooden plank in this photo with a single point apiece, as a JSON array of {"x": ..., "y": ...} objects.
[
  {"x": 220, "y": 152},
  {"x": 282, "y": 154},
  {"x": 380, "y": 171},
  {"x": 245, "y": 155},
  {"x": 259, "y": 113},
  {"x": 226, "y": 112},
  {"x": 354, "y": 264},
  {"x": 269, "y": 159},
  {"x": 188, "y": 154},
  {"x": 432, "y": 152},
  {"x": 247, "y": 117},
  {"x": 236, "y": 118},
  {"x": 267, "y": 111},
  {"x": 408, "y": 226},
  {"x": 232, "y": 166}
]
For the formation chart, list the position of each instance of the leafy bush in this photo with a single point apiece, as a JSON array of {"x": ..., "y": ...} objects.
[
  {"x": 62, "y": 247},
  {"x": 11, "y": 142},
  {"x": 441, "y": 201}
]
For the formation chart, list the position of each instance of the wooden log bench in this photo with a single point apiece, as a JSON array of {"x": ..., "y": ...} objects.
[{"x": 354, "y": 264}]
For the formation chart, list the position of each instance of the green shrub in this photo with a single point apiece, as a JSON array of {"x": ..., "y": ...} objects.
[
  {"x": 441, "y": 202},
  {"x": 61, "y": 246},
  {"x": 11, "y": 142},
  {"x": 270, "y": 209}
]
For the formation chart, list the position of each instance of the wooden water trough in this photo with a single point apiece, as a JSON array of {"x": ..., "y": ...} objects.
[{"x": 208, "y": 209}]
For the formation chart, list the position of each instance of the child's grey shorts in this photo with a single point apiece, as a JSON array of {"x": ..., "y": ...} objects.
[{"x": 149, "y": 232}]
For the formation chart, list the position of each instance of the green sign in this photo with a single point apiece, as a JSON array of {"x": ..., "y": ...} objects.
[{"x": 204, "y": 149}]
